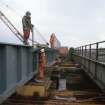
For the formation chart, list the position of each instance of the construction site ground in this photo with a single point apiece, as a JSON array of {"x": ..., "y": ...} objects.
[{"x": 80, "y": 89}]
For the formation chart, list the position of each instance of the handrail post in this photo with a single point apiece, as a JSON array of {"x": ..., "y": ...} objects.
[
  {"x": 33, "y": 35},
  {"x": 82, "y": 50},
  {"x": 90, "y": 51},
  {"x": 85, "y": 50},
  {"x": 89, "y": 68},
  {"x": 95, "y": 76},
  {"x": 97, "y": 51}
]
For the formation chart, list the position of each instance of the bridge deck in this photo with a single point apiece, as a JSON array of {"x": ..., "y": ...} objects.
[{"x": 81, "y": 90}]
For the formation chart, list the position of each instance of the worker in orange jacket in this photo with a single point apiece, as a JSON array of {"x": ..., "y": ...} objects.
[
  {"x": 41, "y": 65},
  {"x": 27, "y": 26}
]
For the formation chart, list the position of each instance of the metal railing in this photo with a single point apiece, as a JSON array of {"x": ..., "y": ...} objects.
[
  {"x": 94, "y": 51},
  {"x": 91, "y": 57}
]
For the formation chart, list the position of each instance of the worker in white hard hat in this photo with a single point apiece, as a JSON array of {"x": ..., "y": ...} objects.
[
  {"x": 41, "y": 65},
  {"x": 27, "y": 26}
]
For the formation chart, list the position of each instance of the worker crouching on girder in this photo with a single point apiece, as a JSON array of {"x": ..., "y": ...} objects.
[
  {"x": 41, "y": 65},
  {"x": 27, "y": 26}
]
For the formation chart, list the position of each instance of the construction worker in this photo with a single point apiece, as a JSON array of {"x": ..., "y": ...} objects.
[
  {"x": 41, "y": 65},
  {"x": 27, "y": 26},
  {"x": 52, "y": 40}
]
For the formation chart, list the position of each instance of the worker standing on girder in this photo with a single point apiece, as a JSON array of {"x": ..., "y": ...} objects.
[
  {"x": 41, "y": 65},
  {"x": 27, "y": 26}
]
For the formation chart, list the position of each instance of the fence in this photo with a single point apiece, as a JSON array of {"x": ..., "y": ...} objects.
[{"x": 92, "y": 59}]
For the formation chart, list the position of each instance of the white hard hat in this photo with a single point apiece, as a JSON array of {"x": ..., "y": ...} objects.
[{"x": 42, "y": 50}]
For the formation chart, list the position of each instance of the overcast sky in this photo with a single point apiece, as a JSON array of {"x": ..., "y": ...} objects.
[{"x": 75, "y": 22}]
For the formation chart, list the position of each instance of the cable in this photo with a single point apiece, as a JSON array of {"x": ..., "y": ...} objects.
[
  {"x": 16, "y": 34},
  {"x": 7, "y": 24},
  {"x": 17, "y": 30},
  {"x": 41, "y": 35},
  {"x": 11, "y": 29},
  {"x": 33, "y": 41}
]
